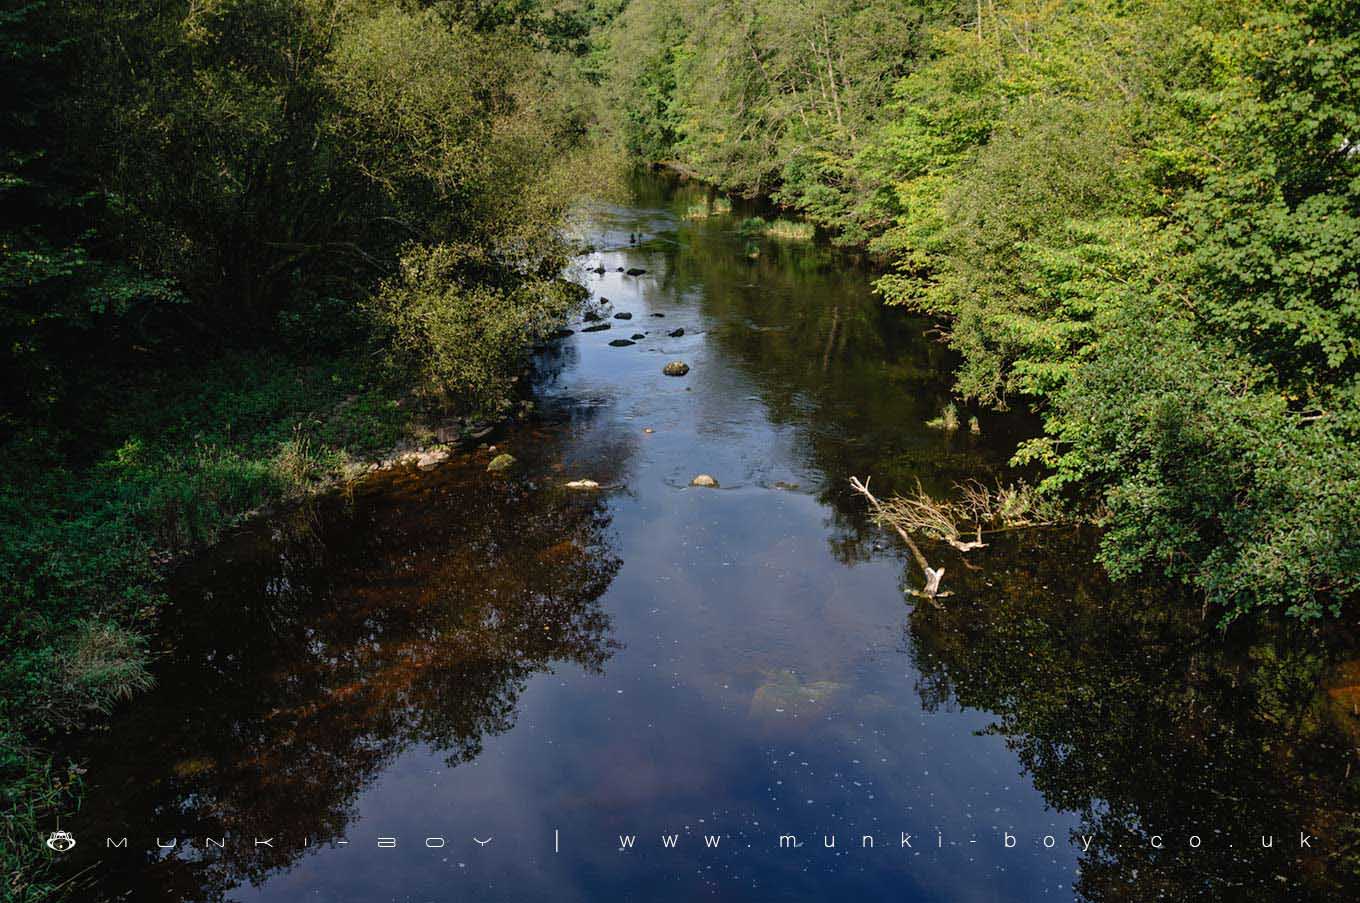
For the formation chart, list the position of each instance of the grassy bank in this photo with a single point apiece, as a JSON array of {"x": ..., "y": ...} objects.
[{"x": 91, "y": 520}]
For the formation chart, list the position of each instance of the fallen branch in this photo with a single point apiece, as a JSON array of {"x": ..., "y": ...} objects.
[
  {"x": 978, "y": 509},
  {"x": 933, "y": 576}
]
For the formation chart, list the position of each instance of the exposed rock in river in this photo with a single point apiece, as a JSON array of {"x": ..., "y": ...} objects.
[
  {"x": 622, "y": 343},
  {"x": 635, "y": 271},
  {"x": 675, "y": 368},
  {"x": 597, "y": 327},
  {"x": 501, "y": 462},
  {"x": 623, "y": 315},
  {"x": 705, "y": 481},
  {"x": 676, "y": 333},
  {"x": 429, "y": 460},
  {"x": 583, "y": 484}
]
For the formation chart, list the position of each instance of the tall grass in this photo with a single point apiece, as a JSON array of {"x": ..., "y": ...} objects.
[
  {"x": 948, "y": 419},
  {"x": 717, "y": 206}
]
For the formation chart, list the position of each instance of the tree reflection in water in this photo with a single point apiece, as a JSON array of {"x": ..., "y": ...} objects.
[
  {"x": 1144, "y": 725},
  {"x": 302, "y": 662}
]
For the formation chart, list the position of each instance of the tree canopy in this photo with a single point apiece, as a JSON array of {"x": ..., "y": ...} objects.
[{"x": 1140, "y": 219}]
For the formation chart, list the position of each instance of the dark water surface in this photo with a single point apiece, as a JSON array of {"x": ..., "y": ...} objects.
[{"x": 440, "y": 656}]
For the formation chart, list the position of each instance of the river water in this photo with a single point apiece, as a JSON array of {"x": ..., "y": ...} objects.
[{"x": 454, "y": 685}]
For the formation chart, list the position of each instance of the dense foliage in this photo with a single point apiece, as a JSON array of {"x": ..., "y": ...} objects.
[
  {"x": 1141, "y": 218},
  {"x": 235, "y": 235}
]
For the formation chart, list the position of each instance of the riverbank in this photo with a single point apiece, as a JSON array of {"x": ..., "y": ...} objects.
[
  {"x": 1067, "y": 227},
  {"x": 90, "y": 527}
]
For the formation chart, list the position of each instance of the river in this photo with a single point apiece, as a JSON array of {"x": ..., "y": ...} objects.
[{"x": 457, "y": 685}]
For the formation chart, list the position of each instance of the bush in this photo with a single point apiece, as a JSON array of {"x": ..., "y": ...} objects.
[{"x": 467, "y": 323}]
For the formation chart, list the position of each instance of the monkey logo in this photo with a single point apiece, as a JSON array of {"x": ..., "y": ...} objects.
[{"x": 61, "y": 841}]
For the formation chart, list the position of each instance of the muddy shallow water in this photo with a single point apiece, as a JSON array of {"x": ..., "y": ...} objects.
[{"x": 353, "y": 698}]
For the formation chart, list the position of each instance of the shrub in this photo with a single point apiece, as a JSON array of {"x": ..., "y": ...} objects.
[{"x": 466, "y": 322}]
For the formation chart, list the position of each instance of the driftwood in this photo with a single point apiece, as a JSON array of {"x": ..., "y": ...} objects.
[
  {"x": 933, "y": 576},
  {"x": 1004, "y": 508}
]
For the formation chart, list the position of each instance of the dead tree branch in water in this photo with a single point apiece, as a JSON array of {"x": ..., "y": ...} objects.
[
  {"x": 978, "y": 509},
  {"x": 933, "y": 577}
]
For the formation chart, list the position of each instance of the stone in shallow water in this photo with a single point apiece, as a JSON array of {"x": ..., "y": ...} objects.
[
  {"x": 676, "y": 333},
  {"x": 583, "y": 484},
  {"x": 501, "y": 462},
  {"x": 675, "y": 368},
  {"x": 623, "y": 315},
  {"x": 621, "y": 343},
  {"x": 638, "y": 336},
  {"x": 598, "y": 327},
  {"x": 636, "y": 271},
  {"x": 704, "y": 480},
  {"x": 657, "y": 313}
]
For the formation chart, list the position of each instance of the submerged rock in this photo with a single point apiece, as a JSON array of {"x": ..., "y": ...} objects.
[
  {"x": 705, "y": 481},
  {"x": 675, "y": 368},
  {"x": 676, "y": 333},
  {"x": 598, "y": 327},
  {"x": 562, "y": 333},
  {"x": 501, "y": 462},
  {"x": 784, "y": 695},
  {"x": 657, "y": 313},
  {"x": 622, "y": 343}
]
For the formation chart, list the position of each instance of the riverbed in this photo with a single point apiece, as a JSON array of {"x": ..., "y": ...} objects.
[{"x": 459, "y": 685}]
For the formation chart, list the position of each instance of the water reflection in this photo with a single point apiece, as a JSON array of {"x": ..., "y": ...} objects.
[
  {"x": 306, "y": 656},
  {"x": 1155, "y": 731}
]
